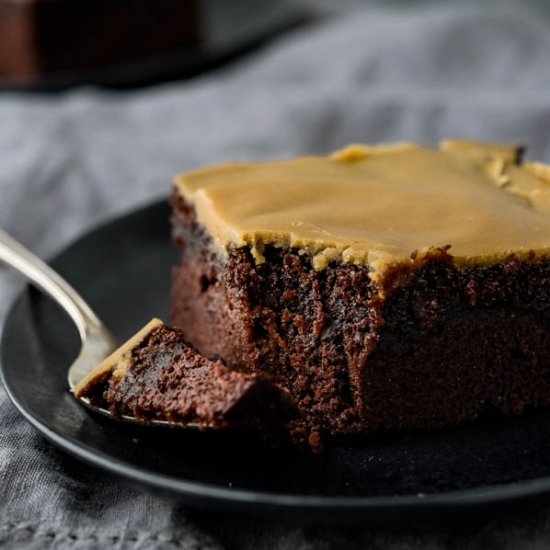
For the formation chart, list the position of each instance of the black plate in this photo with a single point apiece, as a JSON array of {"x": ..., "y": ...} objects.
[{"x": 123, "y": 268}]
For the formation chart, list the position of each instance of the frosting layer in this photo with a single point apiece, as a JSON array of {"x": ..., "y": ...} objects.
[{"x": 375, "y": 206}]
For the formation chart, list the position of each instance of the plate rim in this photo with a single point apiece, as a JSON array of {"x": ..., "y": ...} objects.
[{"x": 504, "y": 493}]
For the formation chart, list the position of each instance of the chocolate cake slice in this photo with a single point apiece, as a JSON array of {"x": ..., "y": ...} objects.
[
  {"x": 390, "y": 287},
  {"x": 156, "y": 375}
]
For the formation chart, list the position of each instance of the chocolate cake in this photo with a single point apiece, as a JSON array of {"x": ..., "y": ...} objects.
[
  {"x": 49, "y": 37},
  {"x": 390, "y": 287},
  {"x": 157, "y": 375},
  {"x": 379, "y": 288}
]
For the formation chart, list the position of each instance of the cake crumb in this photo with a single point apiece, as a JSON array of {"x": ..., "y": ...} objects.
[{"x": 315, "y": 442}]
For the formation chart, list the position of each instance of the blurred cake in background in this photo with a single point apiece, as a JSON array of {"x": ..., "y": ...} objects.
[
  {"x": 53, "y": 36},
  {"x": 84, "y": 39}
]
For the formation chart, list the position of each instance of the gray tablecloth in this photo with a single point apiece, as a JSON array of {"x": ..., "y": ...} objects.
[{"x": 69, "y": 161}]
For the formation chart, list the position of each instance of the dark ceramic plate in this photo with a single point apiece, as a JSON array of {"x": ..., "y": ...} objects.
[{"x": 123, "y": 269}]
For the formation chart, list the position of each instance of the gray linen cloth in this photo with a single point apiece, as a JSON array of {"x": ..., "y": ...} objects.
[{"x": 69, "y": 161}]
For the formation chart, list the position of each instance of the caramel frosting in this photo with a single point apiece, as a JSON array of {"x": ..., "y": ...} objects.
[{"x": 377, "y": 206}]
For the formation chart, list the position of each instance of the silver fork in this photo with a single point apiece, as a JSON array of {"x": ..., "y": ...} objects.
[{"x": 97, "y": 341}]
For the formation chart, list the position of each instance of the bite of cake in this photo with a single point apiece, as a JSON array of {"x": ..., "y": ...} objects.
[{"x": 157, "y": 375}]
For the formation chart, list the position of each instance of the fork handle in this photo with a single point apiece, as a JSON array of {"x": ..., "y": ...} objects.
[{"x": 44, "y": 277}]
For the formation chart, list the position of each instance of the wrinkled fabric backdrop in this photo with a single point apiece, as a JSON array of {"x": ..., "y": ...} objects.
[{"x": 69, "y": 161}]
